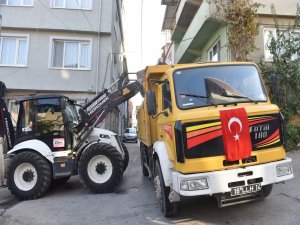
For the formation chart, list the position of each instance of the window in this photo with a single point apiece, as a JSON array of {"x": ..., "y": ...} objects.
[
  {"x": 72, "y": 4},
  {"x": 13, "y": 51},
  {"x": 269, "y": 33},
  {"x": 166, "y": 95},
  {"x": 71, "y": 54},
  {"x": 17, "y": 2},
  {"x": 214, "y": 52}
]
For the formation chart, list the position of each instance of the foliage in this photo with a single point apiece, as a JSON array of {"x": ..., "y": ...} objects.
[
  {"x": 282, "y": 76},
  {"x": 240, "y": 15}
]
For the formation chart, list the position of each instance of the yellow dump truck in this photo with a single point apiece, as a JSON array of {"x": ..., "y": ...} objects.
[{"x": 210, "y": 129}]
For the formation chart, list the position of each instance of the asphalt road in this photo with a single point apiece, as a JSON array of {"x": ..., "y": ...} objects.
[{"x": 134, "y": 203}]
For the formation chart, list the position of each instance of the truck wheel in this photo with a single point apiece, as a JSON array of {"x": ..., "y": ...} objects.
[
  {"x": 266, "y": 190},
  {"x": 29, "y": 175},
  {"x": 162, "y": 193},
  {"x": 100, "y": 168},
  {"x": 143, "y": 160},
  {"x": 126, "y": 159}
]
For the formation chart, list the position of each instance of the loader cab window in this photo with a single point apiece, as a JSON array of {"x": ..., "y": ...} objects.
[
  {"x": 49, "y": 115},
  {"x": 71, "y": 115},
  {"x": 26, "y": 118},
  {"x": 40, "y": 116},
  {"x": 166, "y": 97}
]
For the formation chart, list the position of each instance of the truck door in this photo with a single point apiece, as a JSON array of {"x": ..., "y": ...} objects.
[{"x": 164, "y": 121}]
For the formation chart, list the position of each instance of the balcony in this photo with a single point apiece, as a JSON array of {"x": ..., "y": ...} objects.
[{"x": 201, "y": 28}]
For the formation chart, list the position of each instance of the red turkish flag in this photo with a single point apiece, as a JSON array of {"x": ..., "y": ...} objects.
[{"x": 236, "y": 135}]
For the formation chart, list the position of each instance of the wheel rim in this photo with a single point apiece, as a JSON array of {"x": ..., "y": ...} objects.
[
  {"x": 25, "y": 176},
  {"x": 100, "y": 169}
]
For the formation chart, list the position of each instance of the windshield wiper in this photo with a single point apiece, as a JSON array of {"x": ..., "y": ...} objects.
[
  {"x": 239, "y": 96},
  {"x": 201, "y": 98}
]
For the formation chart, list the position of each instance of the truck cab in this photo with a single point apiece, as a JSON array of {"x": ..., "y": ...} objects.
[{"x": 184, "y": 146}]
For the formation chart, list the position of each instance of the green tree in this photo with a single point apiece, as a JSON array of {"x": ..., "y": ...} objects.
[
  {"x": 241, "y": 19},
  {"x": 282, "y": 75}
]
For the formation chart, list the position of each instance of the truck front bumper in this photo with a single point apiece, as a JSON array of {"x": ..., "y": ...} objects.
[{"x": 210, "y": 183}]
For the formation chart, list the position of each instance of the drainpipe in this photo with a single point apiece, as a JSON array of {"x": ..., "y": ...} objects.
[
  {"x": 2, "y": 168},
  {"x": 98, "y": 46}
]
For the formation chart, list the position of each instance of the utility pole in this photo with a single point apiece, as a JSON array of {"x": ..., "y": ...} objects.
[{"x": 141, "y": 33}]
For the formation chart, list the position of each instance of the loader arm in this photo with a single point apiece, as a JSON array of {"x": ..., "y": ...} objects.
[
  {"x": 6, "y": 126},
  {"x": 98, "y": 109}
]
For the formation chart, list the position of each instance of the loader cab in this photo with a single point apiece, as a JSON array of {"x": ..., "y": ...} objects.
[{"x": 48, "y": 118}]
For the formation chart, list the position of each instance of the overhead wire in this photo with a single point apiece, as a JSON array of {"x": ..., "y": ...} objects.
[
  {"x": 47, "y": 8},
  {"x": 85, "y": 16}
]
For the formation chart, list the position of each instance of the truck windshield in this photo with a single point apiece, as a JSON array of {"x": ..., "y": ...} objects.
[{"x": 218, "y": 85}]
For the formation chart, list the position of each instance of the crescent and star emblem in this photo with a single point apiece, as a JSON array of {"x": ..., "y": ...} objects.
[{"x": 238, "y": 121}]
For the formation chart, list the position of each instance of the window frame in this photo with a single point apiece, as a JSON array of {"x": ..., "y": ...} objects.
[
  {"x": 273, "y": 30},
  {"x": 18, "y": 37},
  {"x": 169, "y": 106},
  {"x": 52, "y": 2},
  {"x": 69, "y": 39},
  {"x": 218, "y": 44},
  {"x": 274, "y": 33},
  {"x": 21, "y": 5}
]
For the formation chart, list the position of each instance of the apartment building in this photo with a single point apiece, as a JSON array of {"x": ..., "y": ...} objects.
[
  {"x": 197, "y": 36},
  {"x": 70, "y": 47}
]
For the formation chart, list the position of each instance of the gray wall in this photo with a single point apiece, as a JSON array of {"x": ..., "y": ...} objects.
[
  {"x": 37, "y": 75},
  {"x": 42, "y": 16}
]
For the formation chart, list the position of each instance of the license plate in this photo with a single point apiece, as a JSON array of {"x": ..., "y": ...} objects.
[{"x": 245, "y": 189}]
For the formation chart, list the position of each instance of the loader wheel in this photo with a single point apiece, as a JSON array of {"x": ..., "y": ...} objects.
[
  {"x": 126, "y": 159},
  {"x": 266, "y": 190},
  {"x": 162, "y": 193},
  {"x": 100, "y": 168},
  {"x": 29, "y": 175}
]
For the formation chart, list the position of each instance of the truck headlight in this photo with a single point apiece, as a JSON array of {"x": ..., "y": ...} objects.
[
  {"x": 283, "y": 170},
  {"x": 192, "y": 185}
]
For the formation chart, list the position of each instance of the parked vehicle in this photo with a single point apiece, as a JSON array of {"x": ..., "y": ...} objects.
[
  {"x": 130, "y": 134},
  {"x": 210, "y": 129},
  {"x": 51, "y": 142}
]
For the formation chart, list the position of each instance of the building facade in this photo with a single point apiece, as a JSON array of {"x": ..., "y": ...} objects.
[
  {"x": 198, "y": 36},
  {"x": 70, "y": 47}
]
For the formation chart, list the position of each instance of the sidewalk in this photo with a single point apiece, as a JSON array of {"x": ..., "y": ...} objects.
[{"x": 6, "y": 199}]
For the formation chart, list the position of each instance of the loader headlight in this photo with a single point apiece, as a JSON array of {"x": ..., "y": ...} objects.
[
  {"x": 283, "y": 170},
  {"x": 193, "y": 185}
]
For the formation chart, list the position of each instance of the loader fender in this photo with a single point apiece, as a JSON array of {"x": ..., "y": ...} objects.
[
  {"x": 160, "y": 148},
  {"x": 35, "y": 145}
]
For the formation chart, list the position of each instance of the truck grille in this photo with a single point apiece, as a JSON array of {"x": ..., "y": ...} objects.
[{"x": 205, "y": 138}]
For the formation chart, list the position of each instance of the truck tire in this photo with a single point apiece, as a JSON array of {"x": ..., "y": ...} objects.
[
  {"x": 100, "y": 168},
  {"x": 126, "y": 159},
  {"x": 29, "y": 175},
  {"x": 143, "y": 160},
  {"x": 266, "y": 190},
  {"x": 162, "y": 193}
]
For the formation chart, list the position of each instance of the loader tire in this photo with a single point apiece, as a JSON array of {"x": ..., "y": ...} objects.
[
  {"x": 29, "y": 175},
  {"x": 100, "y": 168},
  {"x": 126, "y": 159}
]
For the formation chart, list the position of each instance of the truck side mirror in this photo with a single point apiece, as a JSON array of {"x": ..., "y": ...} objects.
[{"x": 151, "y": 102}]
